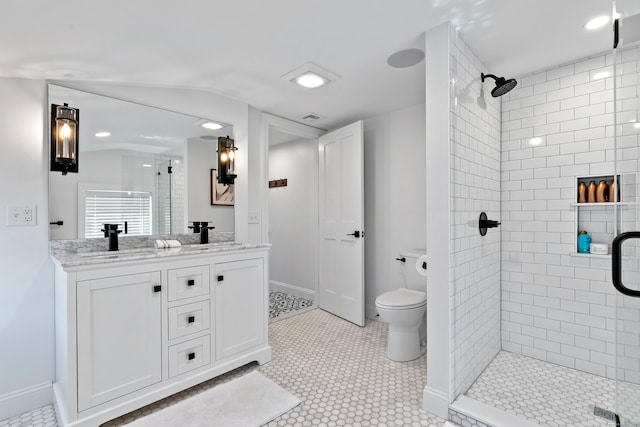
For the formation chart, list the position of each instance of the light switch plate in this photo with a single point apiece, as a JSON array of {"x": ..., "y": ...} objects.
[
  {"x": 21, "y": 215},
  {"x": 254, "y": 218}
]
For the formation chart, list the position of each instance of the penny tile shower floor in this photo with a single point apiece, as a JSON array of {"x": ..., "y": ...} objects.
[
  {"x": 545, "y": 393},
  {"x": 338, "y": 370}
]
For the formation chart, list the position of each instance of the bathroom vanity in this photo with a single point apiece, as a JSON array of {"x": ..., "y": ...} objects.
[{"x": 135, "y": 326}]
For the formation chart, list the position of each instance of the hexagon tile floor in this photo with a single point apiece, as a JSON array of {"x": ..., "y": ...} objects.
[
  {"x": 545, "y": 393},
  {"x": 338, "y": 370}
]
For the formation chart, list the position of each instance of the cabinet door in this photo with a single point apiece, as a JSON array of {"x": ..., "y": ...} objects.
[
  {"x": 240, "y": 306},
  {"x": 119, "y": 336}
]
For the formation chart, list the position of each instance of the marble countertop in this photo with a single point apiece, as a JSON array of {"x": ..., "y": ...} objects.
[{"x": 77, "y": 258}]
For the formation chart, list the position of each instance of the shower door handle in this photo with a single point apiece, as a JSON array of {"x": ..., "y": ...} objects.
[{"x": 616, "y": 263}]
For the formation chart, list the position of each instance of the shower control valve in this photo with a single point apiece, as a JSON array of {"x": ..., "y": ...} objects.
[{"x": 484, "y": 223}]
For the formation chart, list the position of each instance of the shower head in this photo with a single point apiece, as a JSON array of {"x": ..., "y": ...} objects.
[{"x": 502, "y": 85}]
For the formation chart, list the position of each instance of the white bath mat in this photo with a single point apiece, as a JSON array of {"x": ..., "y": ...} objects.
[{"x": 251, "y": 400}]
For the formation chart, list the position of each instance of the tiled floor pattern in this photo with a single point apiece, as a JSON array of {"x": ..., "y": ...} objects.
[
  {"x": 42, "y": 417},
  {"x": 282, "y": 304},
  {"x": 545, "y": 393},
  {"x": 338, "y": 370}
]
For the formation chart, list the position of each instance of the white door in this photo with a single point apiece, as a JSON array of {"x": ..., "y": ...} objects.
[{"x": 341, "y": 289}]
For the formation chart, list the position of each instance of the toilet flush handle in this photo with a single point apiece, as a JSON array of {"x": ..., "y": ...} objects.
[{"x": 403, "y": 259}]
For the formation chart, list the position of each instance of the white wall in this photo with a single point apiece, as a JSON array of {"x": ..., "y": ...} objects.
[
  {"x": 395, "y": 196},
  {"x": 437, "y": 393},
  {"x": 556, "y": 307},
  {"x": 293, "y": 217},
  {"x": 26, "y": 287},
  {"x": 200, "y": 159},
  {"x": 475, "y": 187}
]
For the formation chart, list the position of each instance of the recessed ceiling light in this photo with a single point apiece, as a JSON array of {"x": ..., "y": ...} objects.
[
  {"x": 405, "y": 58},
  {"x": 601, "y": 75},
  {"x": 211, "y": 125},
  {"x": 597, "y": 22},
  {"x": 146, "y": 165},
  {"x": 103, "y": 134},
  {"x": 310, "y": 80},
  {"x": 310, "y": 76}
]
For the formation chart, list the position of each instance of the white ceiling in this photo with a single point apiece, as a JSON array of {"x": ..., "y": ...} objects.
[{"x": 241, "y": 48}]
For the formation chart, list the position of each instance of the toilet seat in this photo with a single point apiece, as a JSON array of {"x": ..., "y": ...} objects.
[{"x": 401, "y": 299}]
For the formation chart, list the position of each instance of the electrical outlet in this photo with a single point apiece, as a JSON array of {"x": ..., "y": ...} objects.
[
  {"x": 21, "y": 215},
  {"x": 254, "y": 218}
]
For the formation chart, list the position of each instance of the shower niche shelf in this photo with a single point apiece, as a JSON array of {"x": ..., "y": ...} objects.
[{"x": 604, "y": 220}]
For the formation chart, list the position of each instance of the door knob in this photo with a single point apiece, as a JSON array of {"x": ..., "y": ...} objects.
[{"x": 354, "y": 234}]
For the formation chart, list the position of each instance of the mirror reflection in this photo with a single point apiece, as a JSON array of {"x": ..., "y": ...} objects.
[{"x": 150, "y": 170}]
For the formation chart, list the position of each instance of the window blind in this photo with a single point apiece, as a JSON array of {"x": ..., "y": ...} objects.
[{"x": 115, "y": 207}]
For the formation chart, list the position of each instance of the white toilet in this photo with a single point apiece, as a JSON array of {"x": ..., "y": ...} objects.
[{"x": 404, "y": 310}]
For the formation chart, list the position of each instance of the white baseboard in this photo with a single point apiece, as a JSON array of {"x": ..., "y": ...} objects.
[
  {"x": 25, "y": 400},
  {"x": 435, "y": 402},
  {"x": 293, "y": 290}
]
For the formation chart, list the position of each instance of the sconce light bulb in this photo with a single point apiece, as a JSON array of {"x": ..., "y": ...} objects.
[
  {"x": 65, "y": 132},
  {"x": 232, "y": 155},
  {"x": 223, "y": 157}
]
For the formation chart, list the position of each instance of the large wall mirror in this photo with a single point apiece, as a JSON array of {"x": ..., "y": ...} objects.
[{"x": 151, "y": 168}]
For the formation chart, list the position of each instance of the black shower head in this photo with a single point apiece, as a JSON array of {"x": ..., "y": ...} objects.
[{"x": 502, "y": 85}]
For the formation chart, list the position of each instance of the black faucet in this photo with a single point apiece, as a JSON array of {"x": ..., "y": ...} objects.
[
  {"x": 111, "y": 231},
  {"x": 204, "y": 231},
  {"x": 195, "y": 226}
]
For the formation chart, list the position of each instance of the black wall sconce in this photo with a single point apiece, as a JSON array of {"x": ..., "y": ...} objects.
[
  {"x": 226, "y": 160},
  {"x": 64, "y": 138}
]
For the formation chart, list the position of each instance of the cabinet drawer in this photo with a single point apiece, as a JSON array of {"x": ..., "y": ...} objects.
[
  {"x": 188, "y": 319},
  {"x": 188, "y": 282},
  {"x": 189, "y": 355}
]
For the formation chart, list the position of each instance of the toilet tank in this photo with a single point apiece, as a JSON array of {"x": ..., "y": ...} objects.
[{"x": 412, "y": 279}]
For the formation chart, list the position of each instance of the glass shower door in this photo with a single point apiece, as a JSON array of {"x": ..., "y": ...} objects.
[{"x": 626, "y": 246}]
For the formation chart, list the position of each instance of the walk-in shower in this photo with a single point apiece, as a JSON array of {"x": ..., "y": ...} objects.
[{"x": 538, "y": 329}]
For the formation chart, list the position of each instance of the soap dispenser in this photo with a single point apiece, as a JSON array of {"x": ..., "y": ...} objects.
[{"x": 584, "y": 240}]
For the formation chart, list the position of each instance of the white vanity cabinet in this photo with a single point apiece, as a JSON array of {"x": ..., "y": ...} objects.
[
  {"x": 119, "y": 336},
  {"x": 240, "y": 311},
  {"x": 133, "y": 331}
]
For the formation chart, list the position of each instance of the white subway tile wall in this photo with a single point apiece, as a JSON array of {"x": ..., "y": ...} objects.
[
  {"x": 475, "y": 187},
  {"x": 557, "y": 307}
]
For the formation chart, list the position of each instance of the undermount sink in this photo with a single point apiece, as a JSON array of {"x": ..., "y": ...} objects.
[
  {"x": 213, "y": 245},
  {"x": 114, "y": 254}
]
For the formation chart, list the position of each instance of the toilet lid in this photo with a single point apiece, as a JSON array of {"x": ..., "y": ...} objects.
[{"x": 402, "y": 298}]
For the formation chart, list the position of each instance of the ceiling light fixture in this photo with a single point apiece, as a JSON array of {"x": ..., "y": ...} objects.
[
  {"x": 103, "y": 134},
  {"x": 310, "y": 76},
  {"x": 596, "y": 23},
  {"x": 211, "y": 125}
]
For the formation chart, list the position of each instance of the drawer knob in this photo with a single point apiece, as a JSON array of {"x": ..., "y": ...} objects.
[
  {"x": 192, "y": 356},
  {"x": 191, "y": 282},
  {"x": 157, "y": 288},
  {"x": 191, "y": 319}
]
